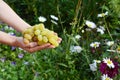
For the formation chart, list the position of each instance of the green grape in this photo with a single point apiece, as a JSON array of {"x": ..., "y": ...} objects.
[
  {"x": 37, "y": 32},
  {"x": 53, "y": 42},
  {"x": 36, "y": 27},
  {"x": 40, "y": 42},
  {"x": 28, "y": 31},
  {"x": 55, "y": 37},
  {"x": 26, "y": 41},
  {"x": 45, "y": 39},
  {"x": 41, "y": 26},
  {"x": 27, "y": 36},
  {"x": 32, "y": 34},
  {"x": 44, "y": 32},
  {"x": 50, "y": 34},
  {"x": 39, "y": 37}
]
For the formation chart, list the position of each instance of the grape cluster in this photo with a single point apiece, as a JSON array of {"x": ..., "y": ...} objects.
[{"x": 38, "y": 33}]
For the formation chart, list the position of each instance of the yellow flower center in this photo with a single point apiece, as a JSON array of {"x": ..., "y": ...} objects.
[
  {"x": 107, "y": 79},
  {"x": 89, "y": 25},
  {"x": 103, "y": 14},
  {"x": 118, "y": 49},
  {"x": 95, "y": 45},
  {"x": 109, "y": 62}
]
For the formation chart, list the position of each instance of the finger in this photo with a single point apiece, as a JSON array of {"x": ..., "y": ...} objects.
[
  {"x": 32, "y": 44},
  {"x": 33, "y": 49},
  {"x": 55, "y": 33},
  {"x": 59, "y": 40},
  {"x": 51, "y": 46}
]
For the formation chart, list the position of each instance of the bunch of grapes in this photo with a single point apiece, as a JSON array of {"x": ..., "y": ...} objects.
[{"x": 38, "y": 33}]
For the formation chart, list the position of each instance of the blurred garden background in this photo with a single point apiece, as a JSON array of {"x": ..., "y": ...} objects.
[{"x": 90, "y": 47}]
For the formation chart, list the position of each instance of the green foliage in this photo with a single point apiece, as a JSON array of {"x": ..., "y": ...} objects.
[{"x": 61, "y": 63}]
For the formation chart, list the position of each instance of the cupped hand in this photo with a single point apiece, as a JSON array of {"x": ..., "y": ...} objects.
[{"x": 33, "y": 46}]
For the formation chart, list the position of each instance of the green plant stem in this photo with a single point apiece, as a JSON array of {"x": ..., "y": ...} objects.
[
  {"x": 75, "y": 19},
  {"x": 36, "y": 62},
  {"x": 58, "y": 11},
  {"x": 108, "y": 29}
]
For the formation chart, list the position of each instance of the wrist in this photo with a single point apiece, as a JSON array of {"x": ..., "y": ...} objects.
[{"x": 14, "y": 41}]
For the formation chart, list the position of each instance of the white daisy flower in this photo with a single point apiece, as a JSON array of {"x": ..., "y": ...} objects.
[
  {"x": 77, "y": 49},
  {"x": 54, "y": 22},
  {"x": 42, "y": 19},
  {"x": 95, "y": 44},
  {"x": 83, "y": 31},
  {"x": 90, "y": 24},
  {"x": 11, "y": 28},
  {"x": 97, "y": 61},
  {"x": 109, "y": 43},
  {"x": 102, "y": 14},
  {"x": 6, "y": 27},
  {"x": 54, "y": 17},
  {"x": 105, "y": 77},
  {"x": 93, "y": 66},
  {"x": 101, "y": 29},
  {"x": 11, "y": 33},
  {"x": 77, "y": 37},
  {"x": 111, "y": 50},
  {"x": 109, "y": 62}
]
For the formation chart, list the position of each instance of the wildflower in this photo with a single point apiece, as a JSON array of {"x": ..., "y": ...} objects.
[
  {"x": 103, "y": 14},
  {"x": 93, "y": 66},
  {"x": 54, "y": 17},
  {"x": 111, "y": 50},
  {"x": 36, "y": 73},
  {"x": 26, "y": 63},
  {"x": 110, "y": 43},
  {"x": 83, "y": 31},
  {"x": 77, "y": 49},
  {"x": 42, "y": 19},
  {"x": 2, "y": 59},
  {"x": 101, "y": 29},
  {"x": 6, "y": 27},
  {"x": 97, "y": 61},
  {"x": 13, "y": 63},
  {"x": 20, "y": 55},
  {"x": 90, "y": 24},
  {"x": 77, "y": 37},
  {"x": 95, "y": 44},
  {"x": 54, "y": 22},
  {"x": 11, "y": 33},
  {"x": 105, "y": 77},
  {"x": 22, "y": 49},
  {"x": 2, "y": 70},
  {"x": 108, "y": 62},
  {"x": 110, "y": 68},
  {"x": 10, "y": 28},
  {"x": 118, "y": 49},
  {"x": 13, "y": 48}
]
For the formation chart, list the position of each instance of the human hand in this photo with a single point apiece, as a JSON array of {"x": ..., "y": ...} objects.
[{"x": 32, "y": 46}]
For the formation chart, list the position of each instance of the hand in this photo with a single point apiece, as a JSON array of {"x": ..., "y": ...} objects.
[{"x": 31, "y": 47}]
